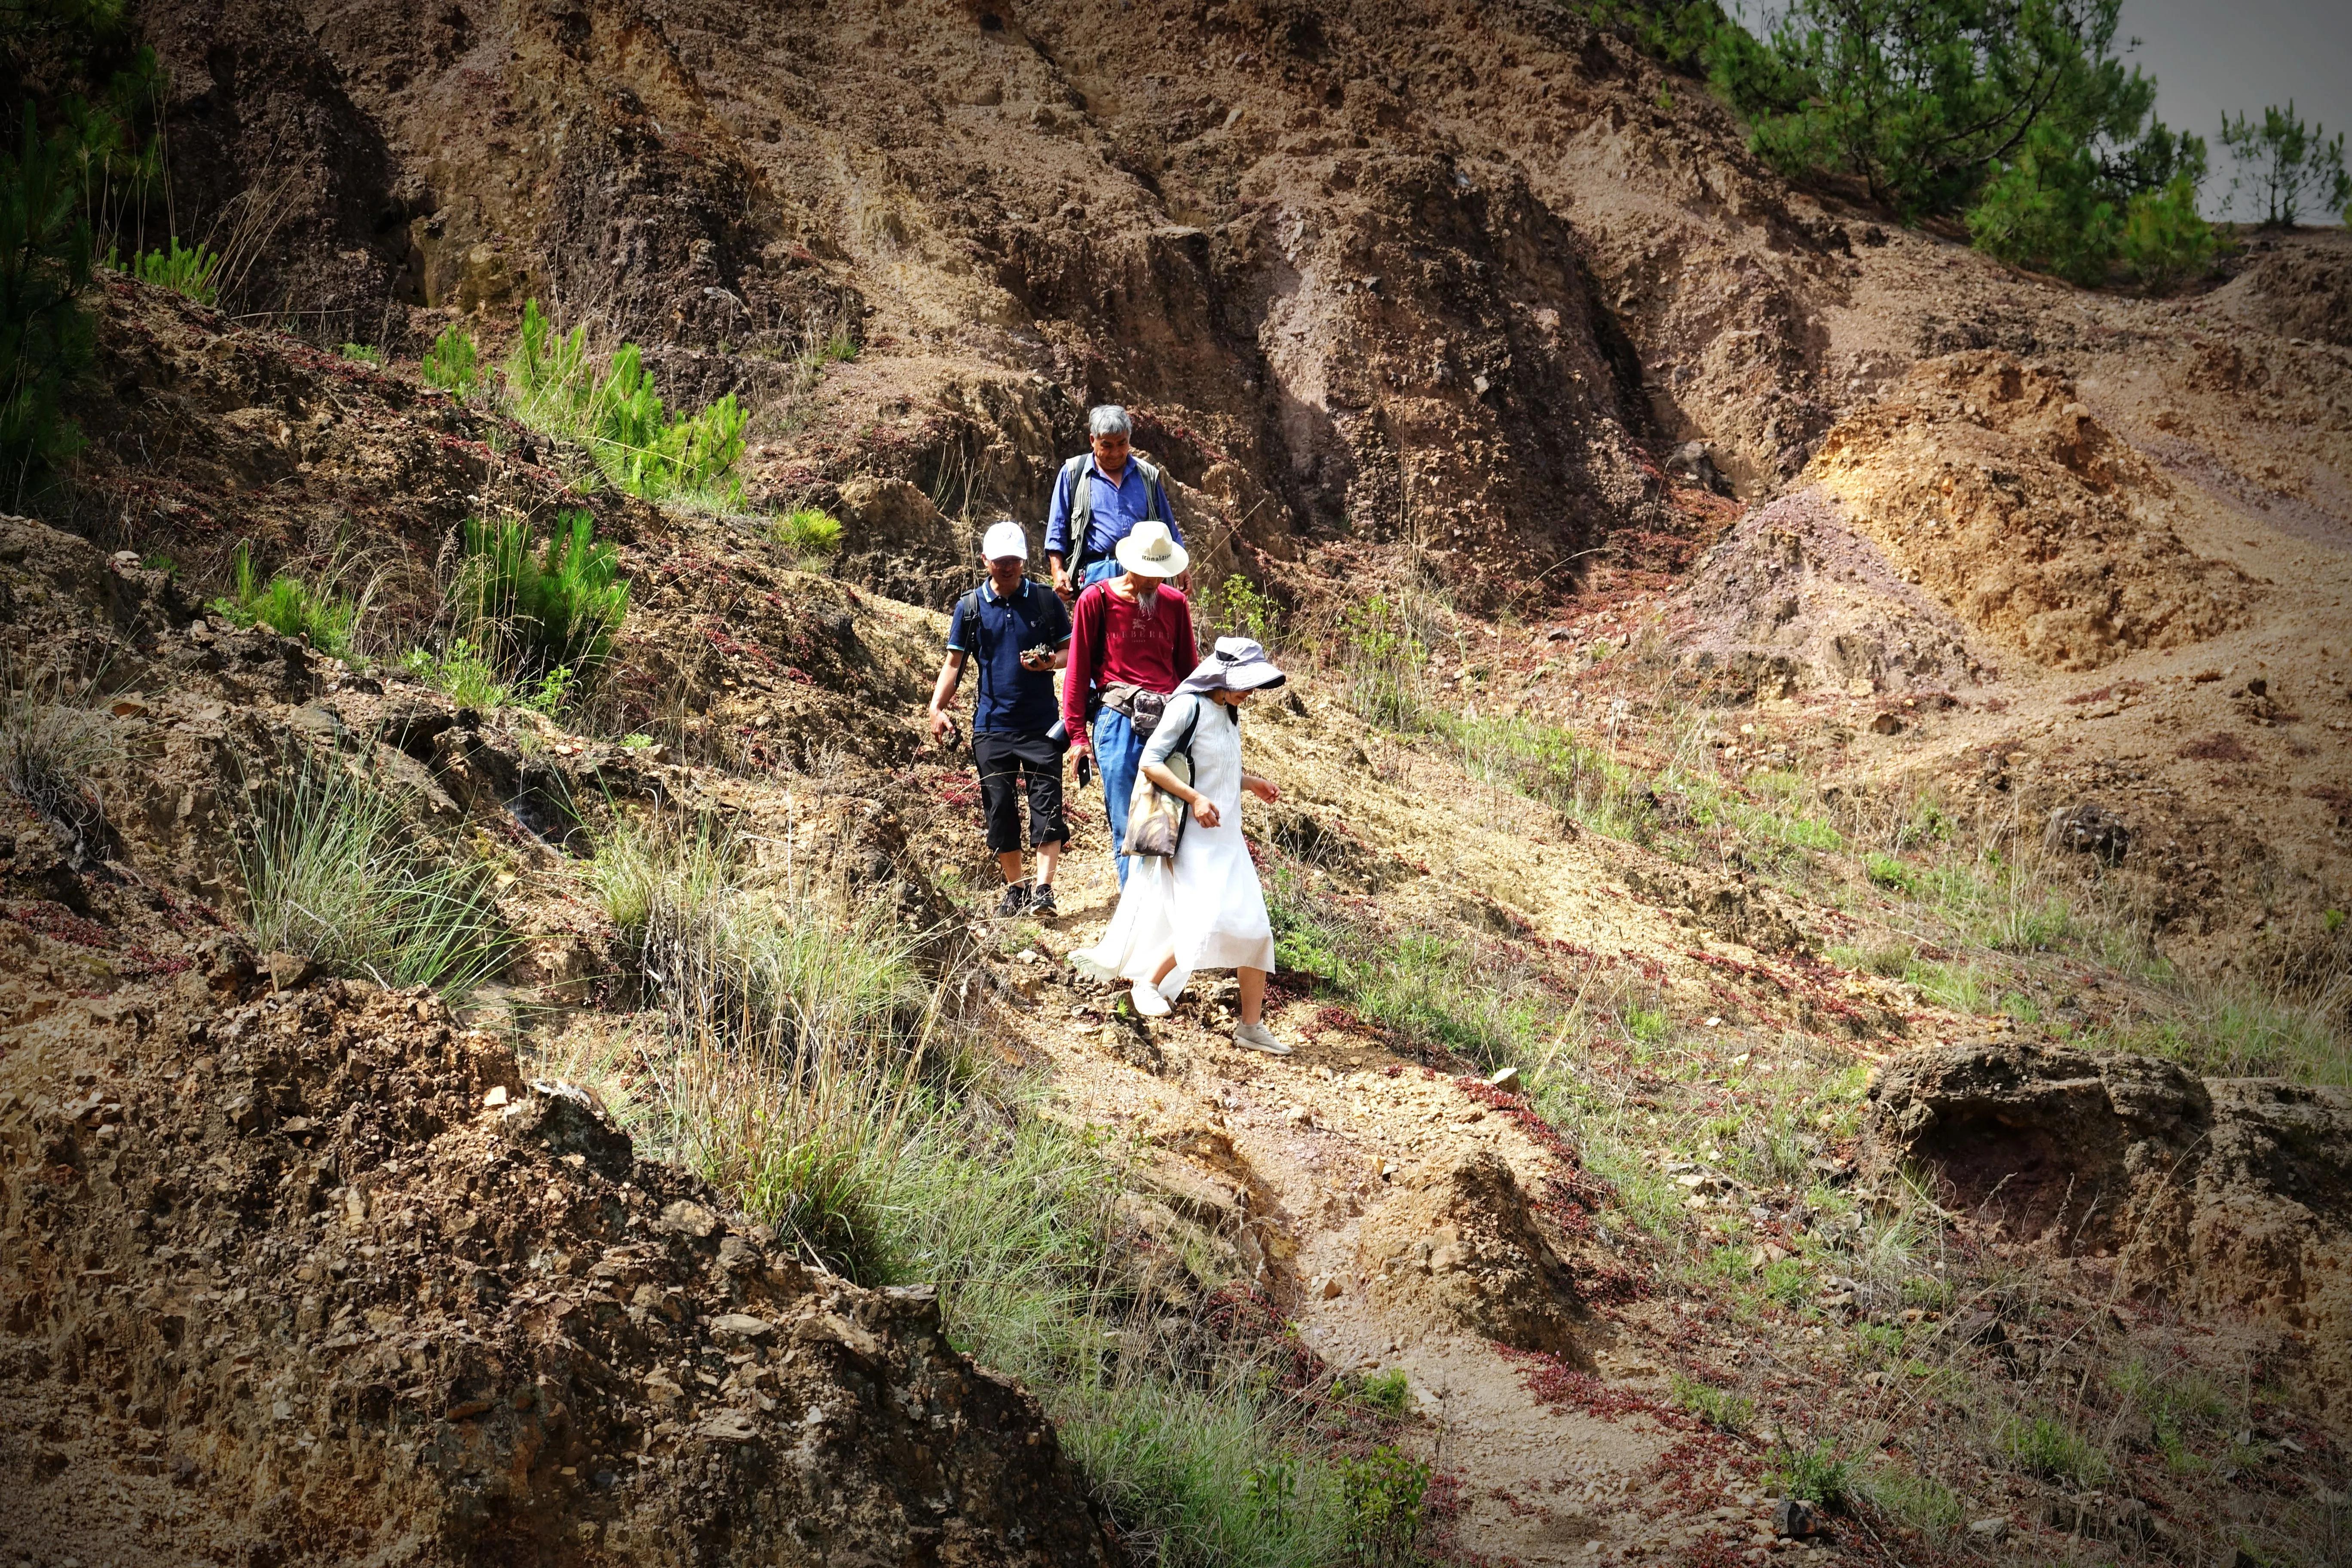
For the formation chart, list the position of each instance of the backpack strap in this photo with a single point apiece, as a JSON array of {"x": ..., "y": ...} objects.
[
  {"x": 967, "y": 616},
  {"x": 1190, "y": 728},
  {"x": 1077, "y": 508}
]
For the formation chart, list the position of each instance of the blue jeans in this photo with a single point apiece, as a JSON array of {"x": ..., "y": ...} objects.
[{"x": 1118, "y": 755}]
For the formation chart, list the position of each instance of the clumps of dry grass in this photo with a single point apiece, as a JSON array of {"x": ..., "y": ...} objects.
[
  {"x": 334, "y": 870},
  {"x": 797, "y": 1056},
  {"x": 53, "y": 744}
]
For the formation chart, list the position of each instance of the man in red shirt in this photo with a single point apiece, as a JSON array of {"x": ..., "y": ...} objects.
[{"x": 1130, "y": 647}]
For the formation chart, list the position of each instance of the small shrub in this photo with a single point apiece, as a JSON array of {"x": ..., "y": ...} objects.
[
  {"x": 364, "y": 353},
  {"x": 1273, "y": 1489},
  {"x": 1381, "y": 1498},
  {"x": 1718, "y": 1407},
  {"x": 290, "y": 606},
  {"x": 1382, "y": 656},
  {"x": 180, "y": 270},
  {"x": 1886, "y": 871},
  {"x": 2046, "y": 1446},
  {"x": 1811, "y": 1473},
  {"x": 333, "y": 872},
  {"x": 619, "y": 416},
  {"x": 1246, "y": 612},
  {"x": 2285, "y": 164},
  {"x": 807, "y": 531},
  {"x": 452, "y": 363},
  {"x": 2164, "y": 239},
  {"x": 2050, "y": 208},
  {"x": 561, "y": 610}
]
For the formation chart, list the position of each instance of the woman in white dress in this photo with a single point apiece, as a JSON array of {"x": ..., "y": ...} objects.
[{"x": 1203, "y": 908}]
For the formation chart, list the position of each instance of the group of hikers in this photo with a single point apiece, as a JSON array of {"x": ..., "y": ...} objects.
[{"x": 1159, "y": 723}]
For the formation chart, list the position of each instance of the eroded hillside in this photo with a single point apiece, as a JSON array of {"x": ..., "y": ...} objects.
[{"x": 1809, "y": 876}]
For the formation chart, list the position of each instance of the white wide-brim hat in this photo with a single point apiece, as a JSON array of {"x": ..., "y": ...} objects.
[
  {"x": 1237, "y": 665},
  {"x": 1151, "y": 551}
]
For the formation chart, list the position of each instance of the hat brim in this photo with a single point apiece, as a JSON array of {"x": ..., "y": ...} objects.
[
  {"x": 1178, "y": 561},
  {"x": 1259, "y": 676}
]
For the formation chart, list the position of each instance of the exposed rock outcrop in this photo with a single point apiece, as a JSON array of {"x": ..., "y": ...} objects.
[
  {"x": 1986, "y": 481},
  {"x": 325, "y": 1262},
  {"x": 2223, "y": 1196}
]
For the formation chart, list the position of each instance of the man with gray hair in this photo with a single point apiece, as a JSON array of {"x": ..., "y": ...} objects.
[{"x": 1099, "y": 498}]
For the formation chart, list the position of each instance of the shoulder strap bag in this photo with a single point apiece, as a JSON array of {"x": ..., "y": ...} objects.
[{"x": 1155, "y": 819}]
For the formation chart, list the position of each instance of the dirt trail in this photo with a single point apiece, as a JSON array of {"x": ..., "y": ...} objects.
[{"x": 1346, "y": 1155}]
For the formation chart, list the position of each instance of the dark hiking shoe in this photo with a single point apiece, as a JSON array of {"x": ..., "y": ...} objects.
[
  {"x": 1015, "y": 899},
  {"x": 1041, "y": 902}
]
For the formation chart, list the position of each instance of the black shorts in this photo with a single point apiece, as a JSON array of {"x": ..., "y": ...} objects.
[{"x": 1006, "y": 760}]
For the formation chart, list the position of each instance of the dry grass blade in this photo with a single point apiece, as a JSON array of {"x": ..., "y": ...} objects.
[
  {"x": 333, "y": 871},
  {"x": 52, "y": 740}
]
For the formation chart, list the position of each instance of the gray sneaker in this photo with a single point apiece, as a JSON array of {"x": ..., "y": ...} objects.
[
  {"x": 1258, "y": 1037},
  {"x": 1015, "y": 899}
]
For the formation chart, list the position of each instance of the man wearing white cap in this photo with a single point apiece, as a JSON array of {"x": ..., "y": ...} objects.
[
  {"x": 1131, "y": 643},
  {"x": 1020, "y": 634}
]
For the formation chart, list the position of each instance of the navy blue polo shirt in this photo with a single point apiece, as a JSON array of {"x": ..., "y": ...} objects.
[{"x": 991, "y": 632}]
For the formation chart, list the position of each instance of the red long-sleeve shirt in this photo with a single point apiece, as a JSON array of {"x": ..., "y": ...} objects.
[{"x": 1111, "y": 645}]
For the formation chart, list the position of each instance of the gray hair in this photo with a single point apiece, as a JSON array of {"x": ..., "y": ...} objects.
[{"x": 1109, "y": 419}]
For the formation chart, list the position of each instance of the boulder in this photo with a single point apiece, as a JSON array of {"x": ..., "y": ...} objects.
[
  {"x": 2087, "y": 828},
  {"x": 891, "y": 514},
  {"x": 2227, "y": 1196},
  {"x": 1459, "y": 1247}
]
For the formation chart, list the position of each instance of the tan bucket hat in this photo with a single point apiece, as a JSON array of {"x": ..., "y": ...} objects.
[{"x": 1151, "y": 551}]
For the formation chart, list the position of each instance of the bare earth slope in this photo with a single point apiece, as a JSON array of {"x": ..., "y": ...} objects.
[{"x": 1427, "y": 294}]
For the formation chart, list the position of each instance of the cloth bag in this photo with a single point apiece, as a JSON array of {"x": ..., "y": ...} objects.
[{"x": 1155, "y": 819}]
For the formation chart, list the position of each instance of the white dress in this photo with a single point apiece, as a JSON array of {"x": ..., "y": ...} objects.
[{"x": 1205, "y": 906}]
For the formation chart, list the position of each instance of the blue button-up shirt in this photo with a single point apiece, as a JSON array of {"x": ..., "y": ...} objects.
[
  {"x": 1117, "y": 509},
  {"x": 991, "y": 632}
]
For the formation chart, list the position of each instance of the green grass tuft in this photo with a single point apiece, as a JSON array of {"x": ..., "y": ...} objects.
[
  {"x": 452, "y": 363},
  {"x": 52, "y": 743},
  {"x": 807, "y": 532},
  {"x": 1718, "y": 1407},
  {"x": 2047, "y": 1447},
  {"x": 333, "y": 871},
  {"x": 1919, "y": 1502},
  {"x": 559, "y": 611},
  {"x": 291, "y": 606}
]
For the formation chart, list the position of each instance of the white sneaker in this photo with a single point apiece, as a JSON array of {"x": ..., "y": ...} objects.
[
  {"x": 1148, "y": 1000},
  {"x": 1258, "y": 1037}
]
